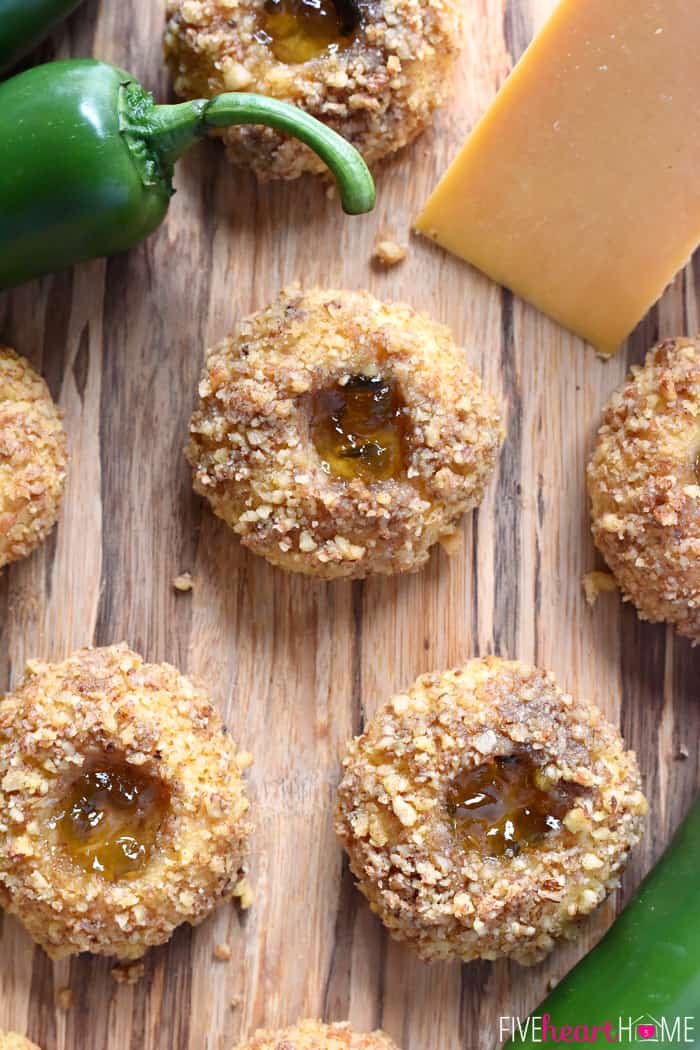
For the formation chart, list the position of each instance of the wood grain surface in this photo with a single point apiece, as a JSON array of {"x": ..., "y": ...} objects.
[{"x": 296, "y": 667}]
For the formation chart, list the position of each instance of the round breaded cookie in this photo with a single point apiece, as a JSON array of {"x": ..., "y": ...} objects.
[
  {"x": 14, "y": 1041},
  {"x": 484, "y": 811},
  {"x": 644, "y": 485},
  {"x": 342, "y": 436},
  {"x": 315, "y": 1035},
  {"x": 123, "y": 807},
  {"x": 376, "y": 78},
  {"x": 32, "y": 458}
]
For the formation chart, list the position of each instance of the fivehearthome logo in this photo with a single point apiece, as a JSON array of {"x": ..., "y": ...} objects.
[{"x": 644, "y": 1030}]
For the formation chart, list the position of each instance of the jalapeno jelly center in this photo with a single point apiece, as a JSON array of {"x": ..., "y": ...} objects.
[
  {"x": 299, "y": 30},
  {"x": 358, "y": 429},
  {"x": 111, "y": 818},
  {"x": 504, "y": 805}
]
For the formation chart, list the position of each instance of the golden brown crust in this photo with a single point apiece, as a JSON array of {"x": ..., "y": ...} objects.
[
  {"x": 645, "y": 486},
  {"x": 14, "y": 1041},
  {"x": 315, "y": 1035},
  {"x": 254, "y": 459},
  {"x": 32, "y": 458},
  {"x": 380, "y": 93},
  {"x": 108, "y": 701},
  {"x": 392, "y": 816}
]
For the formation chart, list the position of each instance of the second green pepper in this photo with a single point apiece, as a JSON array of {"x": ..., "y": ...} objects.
[
  {"x": 88, "y": 161},
  {"x": 24, "y": 23},
  {"x": 645, "y": 971}
]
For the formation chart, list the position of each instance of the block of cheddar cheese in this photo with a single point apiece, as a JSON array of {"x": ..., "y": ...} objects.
[{"x": 580, "y": 188}]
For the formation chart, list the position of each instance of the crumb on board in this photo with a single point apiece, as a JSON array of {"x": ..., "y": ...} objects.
[
  {"x": 388, "y": 252},
  {"x": 222, "y": 952},
  {"x": 128, "y": 973},
  {"x": 683, "y": 754},
  {"x": 452, "y": 542},
  {"x": 595, "y": 583},
  {"x": 244, "y": 893},
  {"x": 236, "y": 1002},
  {"x": 64, "y": 998},
  {"x": 244, "y": 760},
  {"x": 183, "y": 582}
]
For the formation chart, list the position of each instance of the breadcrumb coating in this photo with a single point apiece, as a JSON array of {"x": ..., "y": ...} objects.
[
  {"x": 32, "y": 458},
  {"x": 315, "y": 1035},
  {"x": 61, "y": 718},
  {"x": 254, "y": 459},
  {"x": 379, "y": 93},
  {"x": 644, "y": 485},
  {"x": 427, "y": 886},
  {"x": 14, "y": 1041}
]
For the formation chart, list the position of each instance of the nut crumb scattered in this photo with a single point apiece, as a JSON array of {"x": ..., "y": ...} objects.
[
  {"x": 244, "y": 760},
  {"x": 388, "y": 252},
  {"x": 244, "y": 893},
  {"x": 183, "y": 582},
  {"x": 595, "y": 583},
  {"x": 128, "y": 973},
  {"x": 452, "y": 542},
  {"x": 64, "y": 998},
  {"x": 222, "y": 952},
  {"x": 236, "y": 1002},
  {"x": 683, "y": 754}
]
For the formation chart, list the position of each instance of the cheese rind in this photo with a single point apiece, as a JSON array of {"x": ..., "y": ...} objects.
[{"x": 580, "y": 188}]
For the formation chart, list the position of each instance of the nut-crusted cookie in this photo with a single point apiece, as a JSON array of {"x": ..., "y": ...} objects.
[
  {"x": 315, "y": 1035},
  {"x": 342, "y": 436},
  {"x": 484, "y": 811},
  {"x": 123, "y": 807},
  {"x": 377, "y": 85},
  {"x": 644, "y": 484},
  {"x": 32, "y": 458}
]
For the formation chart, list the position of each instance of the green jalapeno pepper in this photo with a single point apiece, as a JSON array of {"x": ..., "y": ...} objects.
[
  {"x": 23, "y": 23},
  {"x": 645, "y": 971},
  {"x": 88, "y": 161}
]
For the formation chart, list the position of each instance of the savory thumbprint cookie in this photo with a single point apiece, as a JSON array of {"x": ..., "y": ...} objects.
[
  {"x": 123, "y": 808},
  {"x": 314, "y": 1035},
  {"x": 32, "y": 458},
  {"x": 484, "y": 811},
  {"x": 14, "y": 1041},
  {"x": 342, "y": 436},
  {"x": 644, "y": 484},
  {"x": 374, "y": 70}
]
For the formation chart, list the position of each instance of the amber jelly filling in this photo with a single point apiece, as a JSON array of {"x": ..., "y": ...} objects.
[
  {"x": 505, "y": 805},
  {"x": 111, "y": 818},
  {"x": 299, "y": 30},
  {"x": 358, "y": 429}
]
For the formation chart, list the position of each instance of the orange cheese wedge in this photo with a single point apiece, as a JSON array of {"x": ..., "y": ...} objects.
[{"x": 580, "y": 188}]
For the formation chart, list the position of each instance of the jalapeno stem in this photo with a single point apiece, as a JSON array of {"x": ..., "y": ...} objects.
[{"x": 171, "y": 130}]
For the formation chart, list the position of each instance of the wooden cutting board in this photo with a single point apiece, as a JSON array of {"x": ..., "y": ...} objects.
[{"x": 295, "y": 666}]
